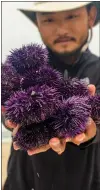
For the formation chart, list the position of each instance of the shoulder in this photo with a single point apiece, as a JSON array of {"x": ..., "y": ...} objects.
[
  {"x": 95, "y": 69},
  {"x": 91, "y": 67},
  {"x": 92, "y": 58},
  {"x": 92, "y": 61}
]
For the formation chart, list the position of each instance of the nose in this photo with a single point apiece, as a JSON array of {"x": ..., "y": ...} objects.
[{"x": 61, "y": 29}]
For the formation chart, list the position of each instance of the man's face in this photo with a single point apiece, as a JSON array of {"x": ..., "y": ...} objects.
[{"x": 64, "y": 32}]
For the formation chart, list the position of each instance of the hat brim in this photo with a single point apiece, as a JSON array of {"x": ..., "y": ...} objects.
[
  {"x": 54, "y": 6},
  {"x": 31, "y": 12}
]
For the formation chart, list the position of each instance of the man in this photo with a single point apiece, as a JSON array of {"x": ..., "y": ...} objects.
[{"x": 64, "y": 29}]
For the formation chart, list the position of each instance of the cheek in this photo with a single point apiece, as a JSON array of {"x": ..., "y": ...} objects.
[
  {"x": 47, "y": 35},
  {"x": 80, "y": 30}
]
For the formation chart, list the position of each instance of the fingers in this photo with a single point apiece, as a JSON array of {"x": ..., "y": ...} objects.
[
  {"x": 15, "y": 146},
  {"x": 54, "y": 143},
  {"x": 38, "y": 150},
  {"x": 2, "y": 109},
  {"x": 57, "y": 145},
  {"x": 15, "y": 130},
  {"x": 79, "y": 139},
  {"x": 90, "y": 130},
  {"x": 92, "y": 89},
  {"x": 89, "y": 133},
  {"x": 10, "y": 124}
]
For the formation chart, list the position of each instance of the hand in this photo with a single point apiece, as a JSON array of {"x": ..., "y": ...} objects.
[
  {"x": 59, "y": 145},
  {"x": 52, "y": 143},
  {"x": 56, "y": 144},
  {"x": 88, "y": 135}
]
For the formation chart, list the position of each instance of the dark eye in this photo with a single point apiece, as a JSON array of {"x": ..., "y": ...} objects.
[
  {"x": 71, "y": 16},
  {"x": 49, "y": 20}
]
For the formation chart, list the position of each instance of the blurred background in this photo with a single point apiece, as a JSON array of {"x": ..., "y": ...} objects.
[{"x": 18, "y": 30}]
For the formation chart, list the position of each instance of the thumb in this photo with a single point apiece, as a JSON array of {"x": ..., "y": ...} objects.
[
  {"x": 3, "y": 109},
  {"x": 15, "y": 130},
  {"x": 92, "y": 89}
]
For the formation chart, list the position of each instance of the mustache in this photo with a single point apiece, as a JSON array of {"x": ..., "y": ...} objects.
[{"x": 64, "y": 38}]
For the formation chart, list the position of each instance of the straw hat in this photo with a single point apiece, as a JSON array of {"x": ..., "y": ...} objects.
[{"x": 48, "y": 6}]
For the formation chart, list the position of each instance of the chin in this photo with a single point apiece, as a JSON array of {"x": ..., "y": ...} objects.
[{"x": 66, "y": 50}]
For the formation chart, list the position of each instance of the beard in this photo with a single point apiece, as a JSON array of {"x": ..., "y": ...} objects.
[{"x": 66, "y": 54}]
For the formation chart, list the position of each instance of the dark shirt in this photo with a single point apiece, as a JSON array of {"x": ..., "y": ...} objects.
[{"x": 78, "y": 168}]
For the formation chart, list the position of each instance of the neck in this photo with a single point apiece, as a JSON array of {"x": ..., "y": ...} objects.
[{"x": 68, "y": 60}]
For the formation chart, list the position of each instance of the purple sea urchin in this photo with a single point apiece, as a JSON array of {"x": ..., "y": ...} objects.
[
  {"x": 38, "y": 98},
  {"x": 50, "y": 77},
  {"x": 74, "y": 87},
  {"x": 69, "y": 121},
  {"x": 44, "y": 75},
  {"x": 33, "y": 106},
  {"x": 28, "y": 57},
  {"x": 32, "y": 136},
  {"x": 71, "y": 118},
  {"x": 10, "y": 82},
  {"x": 30, "y": 79},
  {"x": 94, "y": 101}
]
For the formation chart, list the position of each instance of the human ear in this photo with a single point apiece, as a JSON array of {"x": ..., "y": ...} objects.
[{"x": 92, "y": 16}]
